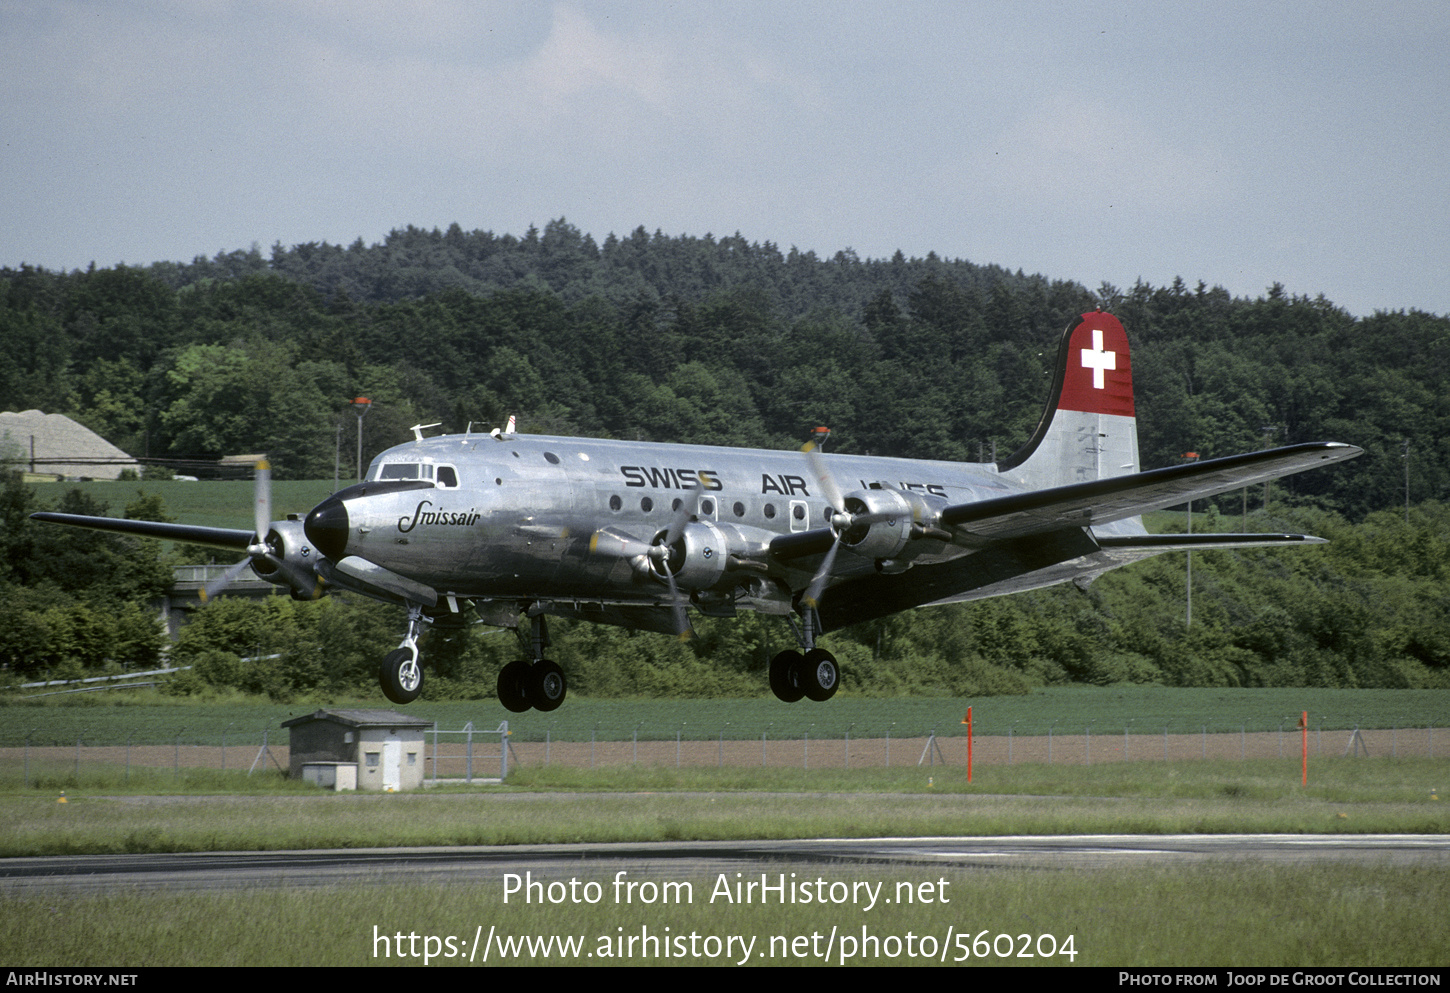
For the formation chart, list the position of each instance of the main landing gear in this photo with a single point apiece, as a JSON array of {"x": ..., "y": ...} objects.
[
  {"x": 536, "y": 683},
  {"x": 401, "y": 673},
  {"x": 813, "y": 674}
]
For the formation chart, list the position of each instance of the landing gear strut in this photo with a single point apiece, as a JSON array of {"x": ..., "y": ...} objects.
[
  {"x": 814, "y": 674},
  {"x": 535, "y": 683},
  {"x": 401, "y": 674}
]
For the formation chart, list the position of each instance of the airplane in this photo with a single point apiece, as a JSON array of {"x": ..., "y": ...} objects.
[{"x": 525, "y": 527}]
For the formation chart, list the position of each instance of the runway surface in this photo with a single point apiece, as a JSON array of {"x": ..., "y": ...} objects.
[{"x": 233, "y": 870}]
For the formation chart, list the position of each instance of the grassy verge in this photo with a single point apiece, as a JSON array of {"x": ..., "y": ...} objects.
[
  {"x": 1103, "y": 712},
  {"x": 1234, "y": 915},
  {"x": 647, "y": 804}
]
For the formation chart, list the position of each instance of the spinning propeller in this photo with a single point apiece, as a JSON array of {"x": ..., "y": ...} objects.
[
  {"x": 659, "y": 552},
  {"x": 843, "y": 522},
  {"x": 259, "y": 550}
]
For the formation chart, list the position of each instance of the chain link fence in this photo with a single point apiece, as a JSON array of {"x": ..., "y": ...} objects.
[{"x": 455, "y": 753}]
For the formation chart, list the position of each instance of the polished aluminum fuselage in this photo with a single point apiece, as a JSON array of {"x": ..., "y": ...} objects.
[{"x": 519, "y": 521}]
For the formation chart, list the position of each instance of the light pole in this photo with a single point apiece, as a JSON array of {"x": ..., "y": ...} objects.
[
  {"x": 1269, "y": 431},
  {"x": 360, "y": 405},
  {"x": 1407, "y": 480},
  {"x": 1188, "y": 613}
]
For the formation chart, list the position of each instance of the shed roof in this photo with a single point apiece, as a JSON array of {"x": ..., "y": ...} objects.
[{"x": 361, "y": 719}]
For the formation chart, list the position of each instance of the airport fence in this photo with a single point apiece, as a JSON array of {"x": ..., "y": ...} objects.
[{"x": 461, "y": 753}]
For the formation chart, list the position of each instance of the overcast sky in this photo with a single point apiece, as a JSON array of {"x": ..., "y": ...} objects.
[{"x": 1239, "y": 144}]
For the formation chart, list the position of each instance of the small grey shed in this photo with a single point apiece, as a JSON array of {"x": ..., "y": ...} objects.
[{"x": 383, "y": 746}]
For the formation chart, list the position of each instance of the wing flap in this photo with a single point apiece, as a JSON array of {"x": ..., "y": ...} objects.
[{"x": 1102, "y": 501}]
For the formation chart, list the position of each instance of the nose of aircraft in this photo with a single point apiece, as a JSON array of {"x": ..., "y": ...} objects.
[{"x": 327, "y": 528}]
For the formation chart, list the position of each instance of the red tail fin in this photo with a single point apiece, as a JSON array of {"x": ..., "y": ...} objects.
[
  {"x": 1088, "y": 429},
  {"x": 1097, "y": 376}
]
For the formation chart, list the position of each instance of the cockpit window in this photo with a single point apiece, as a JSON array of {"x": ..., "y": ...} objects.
[
  {"x": 402, "y": 470},
  {"x": 447, "y": 476}
]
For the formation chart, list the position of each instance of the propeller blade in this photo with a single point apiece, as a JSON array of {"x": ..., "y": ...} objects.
[
  {"x": 262, "y": 504},
  {"x": 683, "y": 631},
  {"x": 616, "y": 545},
  {"x": 823, "y": 475},
  {"x": 688, "y": 504},
  {"x": 812, "y": 598},
  {"x": 214, "y": 587},
  {"x": 262, "y": 522}
]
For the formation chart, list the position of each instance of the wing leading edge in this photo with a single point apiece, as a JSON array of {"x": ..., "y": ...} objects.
[{"x": 195, "y": 534}]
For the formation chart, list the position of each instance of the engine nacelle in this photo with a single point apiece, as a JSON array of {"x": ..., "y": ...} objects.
[
  {"x": 704, "y": 552},
  {"x": 290, "y": 560},
  {"x": 885, "y": 536}
]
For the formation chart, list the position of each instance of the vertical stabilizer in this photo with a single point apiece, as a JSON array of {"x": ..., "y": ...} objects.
[{"x": 1088, "y": 430}]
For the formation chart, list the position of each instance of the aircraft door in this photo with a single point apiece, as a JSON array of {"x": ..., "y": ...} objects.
[{"x": 392, "y": 763}]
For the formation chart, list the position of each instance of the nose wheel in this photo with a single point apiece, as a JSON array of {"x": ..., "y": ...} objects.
[{"x": 401, "y": 674}]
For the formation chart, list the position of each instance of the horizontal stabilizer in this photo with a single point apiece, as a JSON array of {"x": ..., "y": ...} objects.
[
  {"x": 196, "y": 534},
  {"x": 1102, "y": 501}
]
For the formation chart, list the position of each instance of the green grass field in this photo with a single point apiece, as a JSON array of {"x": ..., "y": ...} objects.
[
  {"x": 1232, "y": 915},
  {"x": 1222, "y": 915},
  {"x": 223, "y": 504},
  {"x": 209, "y": 811},
  {"x": 147, "y": 718}
]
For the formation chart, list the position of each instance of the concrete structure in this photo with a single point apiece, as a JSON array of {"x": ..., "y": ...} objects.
[
  {"x": 184, "y": 595},
  {"x": 385, "y": 747},
  {"x": 335, "y": 776},
  {"x": 55, "y": 445}
]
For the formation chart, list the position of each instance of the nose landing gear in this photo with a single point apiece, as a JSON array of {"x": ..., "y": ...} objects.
[{"x": 401, "y": 674}]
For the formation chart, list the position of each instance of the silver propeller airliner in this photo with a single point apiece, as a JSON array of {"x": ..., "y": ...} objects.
[{"x": 523, "y": 527}]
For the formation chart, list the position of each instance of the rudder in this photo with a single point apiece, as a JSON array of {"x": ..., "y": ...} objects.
[{"x": 1088, "y": 430}]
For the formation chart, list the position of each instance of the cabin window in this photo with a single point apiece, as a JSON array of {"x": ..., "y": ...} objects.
[
  {"x": 739, "y": 509},
  {"x": 615, "y": 503},
  {"x": 798, "y": 515},
  {"x": 646, "y": 504},
  {"x": 770, "y": 511}
]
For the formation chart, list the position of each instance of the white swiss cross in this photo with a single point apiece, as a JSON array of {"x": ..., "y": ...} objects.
[{"x": 1098, "y": 360}]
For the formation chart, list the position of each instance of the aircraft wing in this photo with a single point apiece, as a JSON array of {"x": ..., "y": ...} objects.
[
  {"x": 1155, "y": 543},
  {"x": 1102, "y": 501},
  {"x": 195, "y": 534}
]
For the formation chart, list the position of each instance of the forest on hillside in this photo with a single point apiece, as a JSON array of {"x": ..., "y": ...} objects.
[{"x": 723, "y": 341}]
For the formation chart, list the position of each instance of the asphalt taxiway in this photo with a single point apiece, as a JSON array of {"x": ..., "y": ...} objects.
[{"x": 478, "y": 864}]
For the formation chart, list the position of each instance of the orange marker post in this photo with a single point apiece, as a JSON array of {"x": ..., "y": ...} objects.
[{"x": 969, "y": 744}]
